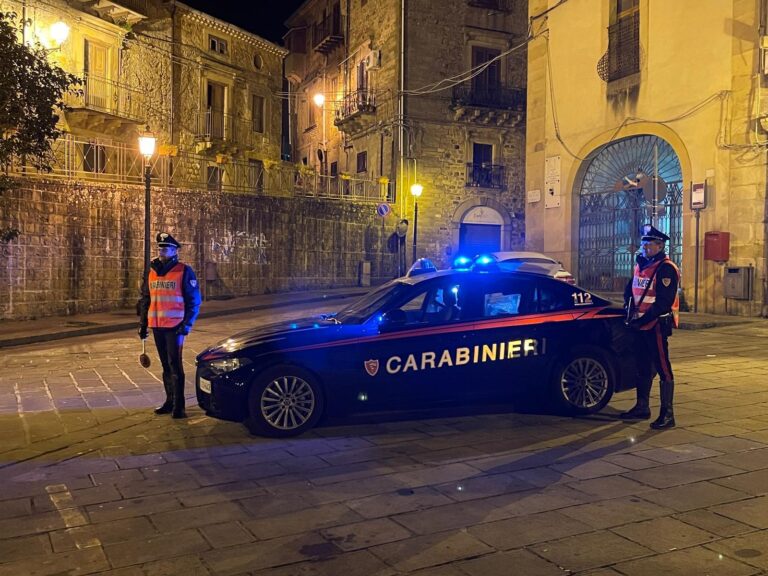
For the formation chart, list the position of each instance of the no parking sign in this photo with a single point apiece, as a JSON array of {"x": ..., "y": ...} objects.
[{"x": 383, "y": 209}]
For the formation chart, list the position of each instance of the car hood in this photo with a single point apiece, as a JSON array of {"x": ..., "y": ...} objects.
[{"x": 306, "y": 330}]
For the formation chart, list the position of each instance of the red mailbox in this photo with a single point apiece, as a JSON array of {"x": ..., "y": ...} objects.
[{"x": 717, "y": 246}]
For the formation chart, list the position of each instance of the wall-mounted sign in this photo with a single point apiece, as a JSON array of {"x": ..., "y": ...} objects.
[
  {"x": 698, "y": 196},
  {"x": 552, "y": 182},
  {"x": 534, "y": 196}
]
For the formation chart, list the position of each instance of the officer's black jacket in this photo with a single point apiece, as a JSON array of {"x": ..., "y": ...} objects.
[
  {"x": 190, "y": 290},
  {"x": 666, "y": 287}
]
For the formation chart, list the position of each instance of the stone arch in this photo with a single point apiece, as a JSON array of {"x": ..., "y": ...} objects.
[{"x": 463, "y": 213}]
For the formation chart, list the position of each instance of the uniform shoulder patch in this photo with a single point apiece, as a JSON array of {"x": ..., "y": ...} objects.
[
  {"x": 666, "y": 282},
  {"x": 193, "y": 283}
]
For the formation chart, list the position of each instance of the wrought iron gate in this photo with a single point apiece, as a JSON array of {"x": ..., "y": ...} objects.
[{"x": 617, "y": 198}]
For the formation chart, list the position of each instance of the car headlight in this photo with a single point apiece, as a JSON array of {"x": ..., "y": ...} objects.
[{"x": 228, "y": 364}]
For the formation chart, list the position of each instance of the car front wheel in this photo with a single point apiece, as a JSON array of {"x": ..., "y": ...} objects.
[
  {"x": 284, "y": 401},
  {"x": 583, "y": 382}
]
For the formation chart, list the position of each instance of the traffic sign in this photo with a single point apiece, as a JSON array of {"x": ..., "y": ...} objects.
[{"x": 383, "y": 209}]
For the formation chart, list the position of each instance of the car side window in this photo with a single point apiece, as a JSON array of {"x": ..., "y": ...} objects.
[
  {"x": 554, "y": 295},
  {"x": 503, "y": 297}
]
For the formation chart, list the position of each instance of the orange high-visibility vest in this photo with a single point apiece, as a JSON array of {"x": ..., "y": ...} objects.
[
  {"x": 166, "y": 300},
  {"x": 640, "y": 281}
]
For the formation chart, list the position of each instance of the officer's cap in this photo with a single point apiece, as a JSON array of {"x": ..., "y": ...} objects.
[
  {"x": 651, "y": 234},
  {"x": 164, "y": 239}
]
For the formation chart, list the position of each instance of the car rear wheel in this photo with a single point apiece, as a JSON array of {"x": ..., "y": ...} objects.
[
  {"x": 583, "y": 383},
  {"x": 284, "y": 401}
]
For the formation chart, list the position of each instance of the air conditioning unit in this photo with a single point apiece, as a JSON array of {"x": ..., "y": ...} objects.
[{"x": 373, "y": 60}]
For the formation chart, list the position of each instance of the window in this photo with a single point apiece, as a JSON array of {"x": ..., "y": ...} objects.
[
  {"x": 623, "y": 56},
  {"x": 257, "y": 113},
  {"x": 311, "y": 122},
  {"x": 256, "y": 175},
  {"x": 497, "y": 297},
  {"x": 488, "y": 82},
  {"x": 362, "y": 162},
  {"x": 334, "y": 169},
  {"x": 217, "y": 45},
  {"x": 557, "y": 295},
  {"x": 214, "y": 178},
  {"x": 481, "y": 169},
  {"x": 94, "y": 158}
]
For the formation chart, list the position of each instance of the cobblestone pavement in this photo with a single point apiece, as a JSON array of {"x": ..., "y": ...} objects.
[{"x": 93, "y": 483}]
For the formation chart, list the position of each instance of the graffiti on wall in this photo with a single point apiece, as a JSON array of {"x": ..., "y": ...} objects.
[{"x": 250, "y": 247}]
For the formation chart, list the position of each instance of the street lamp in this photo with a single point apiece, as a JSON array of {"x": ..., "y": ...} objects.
[
  {"x": 416, "y": 190},
  {"x": 147, "y": 149}
]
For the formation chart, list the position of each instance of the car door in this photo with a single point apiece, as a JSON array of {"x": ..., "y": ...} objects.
[
  {"x": 508, "y": 351},
  {"x": 417, "y": 354}
]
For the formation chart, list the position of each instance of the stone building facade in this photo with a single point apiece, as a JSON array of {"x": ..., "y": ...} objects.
[
  {"x": 651, "y": 111},
  {"x": 210, "y": 94},
  {"x": 417, "y": 92}
]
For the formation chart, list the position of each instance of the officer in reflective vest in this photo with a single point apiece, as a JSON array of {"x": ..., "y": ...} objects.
[
  {"x": 169, "y": 304},
  {"x": 652, "y": 309}
]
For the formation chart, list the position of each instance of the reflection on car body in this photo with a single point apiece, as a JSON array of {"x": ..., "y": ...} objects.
[
  {"x": 437, "y": 338},
  {"x": 533, "y": 262}
]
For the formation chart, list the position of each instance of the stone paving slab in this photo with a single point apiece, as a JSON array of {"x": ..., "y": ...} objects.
[{"x": 105, "y": 487}]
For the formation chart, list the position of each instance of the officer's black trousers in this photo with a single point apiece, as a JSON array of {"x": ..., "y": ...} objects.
[
  {"x": 169, "y": 347},
  {"x": 656, "y": 349}
]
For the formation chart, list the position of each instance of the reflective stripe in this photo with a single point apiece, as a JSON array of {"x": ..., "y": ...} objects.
[{"x": 640, "y": 281}]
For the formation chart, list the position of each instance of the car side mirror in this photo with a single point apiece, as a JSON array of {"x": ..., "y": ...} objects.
[{"x": 393, "y": 319}]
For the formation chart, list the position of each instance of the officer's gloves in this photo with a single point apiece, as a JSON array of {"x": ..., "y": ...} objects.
[
  {"x": 182, "y": 330},
  {"x": 143, "y": 332}
]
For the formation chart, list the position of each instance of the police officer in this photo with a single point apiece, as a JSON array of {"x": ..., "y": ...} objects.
[
  {"x": 169, "y": 303},
  {"x": 652, "y": 309}
]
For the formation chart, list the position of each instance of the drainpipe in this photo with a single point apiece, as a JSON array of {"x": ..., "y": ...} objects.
[
  {"x": 762, "y": 11},
  {"x": 401, "y": 111}
]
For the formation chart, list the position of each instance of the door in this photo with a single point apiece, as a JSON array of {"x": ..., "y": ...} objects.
[
  {"x": 95, "y": 64},
  {"x": 418, "y": 356},
  {"x": 215, "y": 110},
  {"x": 486, "y": 84},
  {"x": 477, "y": 239},
  {"x": 482, "y": 165}
]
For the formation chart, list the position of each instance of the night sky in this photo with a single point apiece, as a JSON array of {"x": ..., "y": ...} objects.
[{"x": 262, "y": 17}]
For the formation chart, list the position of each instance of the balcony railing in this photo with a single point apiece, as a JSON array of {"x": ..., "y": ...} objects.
[
  {"x": 485, "y": 96},
  {"x": 214, "y": 125},
  {"x": 495, "y": 5},
  {"x": 108, "y": 96},
  {"x": 328, "y": 33},
  {"x": 359, "y": 101},
  {"x": 623, "y": 56},
  {"x": 486, "y": 176},
  {"x": 76, "y": 159}
]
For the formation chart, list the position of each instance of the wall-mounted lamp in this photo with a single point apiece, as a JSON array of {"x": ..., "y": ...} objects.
[
  {"x": 58, "y": 32},
  {"x": 319, "y": 99}
]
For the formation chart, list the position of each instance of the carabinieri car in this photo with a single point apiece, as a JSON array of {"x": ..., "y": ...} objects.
[{"x": 460, "y": 336}]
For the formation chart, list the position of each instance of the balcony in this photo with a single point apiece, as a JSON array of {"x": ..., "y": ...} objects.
[
  {"x": 355, "y": 111},
  {"x": 623, "y": 57},
  {"x": 328, "y": 34},
  {"x": 483, "y": 175},
  {"x": 104, "y": 105},
  {"x": 214, "y": 125},
  {"x": 494, "y": 5},
  {"x": 484, "y": 104},
  {"x": 118, "y": 11}
]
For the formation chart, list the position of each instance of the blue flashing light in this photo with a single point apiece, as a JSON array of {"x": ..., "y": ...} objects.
[
  {"x": 294, "y": 326},
  {"x": 485, "y": 263},
  {"x": 483, "y": 260},
  {"x": 462, "y": 262}
]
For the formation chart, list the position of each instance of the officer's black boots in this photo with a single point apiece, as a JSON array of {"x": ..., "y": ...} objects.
[
  {"x": 178, "y": 399},
  {"x": 641, "y": 410},
  {"x": 167, "y": 406},
  {"x": 666, "y": 417}
]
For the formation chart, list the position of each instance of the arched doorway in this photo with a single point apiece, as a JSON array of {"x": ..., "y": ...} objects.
[
  {"x": 480, "y": 231},
  {"x": 626, "y": 184}
]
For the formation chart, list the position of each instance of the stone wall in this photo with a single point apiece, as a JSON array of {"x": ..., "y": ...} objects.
[{"x": 80, "y": 248}]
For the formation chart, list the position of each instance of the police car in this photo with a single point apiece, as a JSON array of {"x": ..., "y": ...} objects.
[{"x": 473, "y": 334}]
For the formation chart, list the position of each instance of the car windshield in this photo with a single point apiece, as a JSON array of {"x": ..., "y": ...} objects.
[{"x": 360, "y": 310}]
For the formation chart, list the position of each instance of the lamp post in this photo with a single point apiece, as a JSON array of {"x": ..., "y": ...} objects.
[
  {"x": 147, "y": 149},
  {"x": 416, "y": 190}
]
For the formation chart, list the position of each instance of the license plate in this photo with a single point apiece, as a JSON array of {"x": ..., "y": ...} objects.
[{"x": 205, "y": 385}]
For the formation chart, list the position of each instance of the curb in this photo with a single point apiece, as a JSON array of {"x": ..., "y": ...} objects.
[{"x": 120, "y": 326}]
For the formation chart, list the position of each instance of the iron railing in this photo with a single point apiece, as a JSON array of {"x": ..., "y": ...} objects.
[
  {"x": 486, "y": 175},
  {"x": 104, "y": 95},
  {"x": 354, "y": 103},
  {"x": 495, "y": 5},
  {"x": 623, "y": 56},
  {"x": 486, "y": 96},
  {"x": 81, "y": 160}
]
